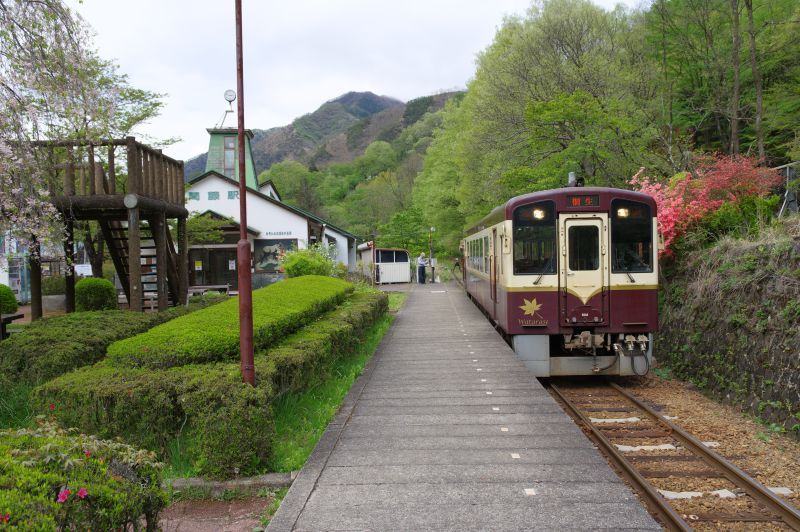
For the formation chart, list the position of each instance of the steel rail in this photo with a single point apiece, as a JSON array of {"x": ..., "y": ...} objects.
[
  {"x": 789, "y": 514},
  {"x": 669, "y": 517}
]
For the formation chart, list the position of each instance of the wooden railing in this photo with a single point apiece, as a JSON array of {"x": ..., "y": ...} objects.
[{"x": 149, "y": 172}]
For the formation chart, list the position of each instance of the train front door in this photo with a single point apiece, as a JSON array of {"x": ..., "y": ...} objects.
[{"x": 583, "y": 271}]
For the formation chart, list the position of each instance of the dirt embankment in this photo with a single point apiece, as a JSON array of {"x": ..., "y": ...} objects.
[{"x": 730, "y": 323}]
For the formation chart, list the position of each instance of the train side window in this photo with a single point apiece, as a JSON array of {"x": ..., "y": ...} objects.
[
  {"x": 534, "y": 239},
  {"x": 584, "y": 248},
  {"x": 631, "y": 237},
  {"x": 386, "y": 256}
]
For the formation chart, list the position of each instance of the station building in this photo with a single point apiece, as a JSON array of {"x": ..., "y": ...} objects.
[{"x": 273, "y": 227}]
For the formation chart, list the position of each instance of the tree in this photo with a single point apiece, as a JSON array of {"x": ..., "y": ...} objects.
[
  {"x": 205, "y": 228},
  {"x": 52, "y": 85},
  {"x": 297, "y": 184}
]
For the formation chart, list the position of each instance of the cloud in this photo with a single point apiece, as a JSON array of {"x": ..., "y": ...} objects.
[{"x": 298, "y": 54}]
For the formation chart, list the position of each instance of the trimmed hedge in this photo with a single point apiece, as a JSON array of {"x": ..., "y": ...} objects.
[
  {"x": 230, "y": 421},
  {"x": 92, "y": 293},
  {"x": 212, "y": 335},
  {"x": 53, "y": 346},
  {"x": 8, "y": 301},
  {"x": 54, "y": 479}
]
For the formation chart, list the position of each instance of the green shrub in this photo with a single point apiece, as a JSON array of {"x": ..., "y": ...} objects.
[
  {"x": 92, "y": 293},
  {"x": 230, "y": 422},
  {"x": 213, "y": 334},
  {"x": 55, "y": 285},
  {"x": 740, "y": 218},
  {"x": 307, "y": 262},
  {"x": 54, "y": 479},
  {"x": 53, "y": 346},
  {"x": 8, "y": 301}
]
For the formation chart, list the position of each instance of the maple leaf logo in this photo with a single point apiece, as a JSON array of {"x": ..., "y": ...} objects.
[{"x": 530, "y": 307}]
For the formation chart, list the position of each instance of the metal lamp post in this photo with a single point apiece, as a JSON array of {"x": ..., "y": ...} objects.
[
  {"x": 243, "y": 246},
  {"x": 430, "y": 253}
]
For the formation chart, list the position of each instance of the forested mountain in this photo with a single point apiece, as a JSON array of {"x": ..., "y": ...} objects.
[
  {"x": 567, "y": 87},
  {"x": 572, "y": 87},
  {"x": 305, "y": 139}
]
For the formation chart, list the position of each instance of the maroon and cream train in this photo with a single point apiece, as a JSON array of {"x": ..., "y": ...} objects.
[{"x": 571, "y": 276}]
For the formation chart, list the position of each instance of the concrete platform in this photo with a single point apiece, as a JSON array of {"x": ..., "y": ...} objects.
[{"x": 447, "y": 430}]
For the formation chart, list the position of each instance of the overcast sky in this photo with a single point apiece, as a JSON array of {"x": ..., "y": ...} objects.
[{"x": 298, "y": 54}]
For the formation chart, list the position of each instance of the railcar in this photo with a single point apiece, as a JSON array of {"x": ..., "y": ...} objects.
[{"x": 570, "y": 276}]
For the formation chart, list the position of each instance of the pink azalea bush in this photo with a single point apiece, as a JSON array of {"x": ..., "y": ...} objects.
[{"x": 689, "y": 197}]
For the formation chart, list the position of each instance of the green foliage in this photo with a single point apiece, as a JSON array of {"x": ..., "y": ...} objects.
[
  {"x": 205, "y": 228},
  {"x": 92, "y": 293},
  {"x": 229, "y": 423},
  {"x": 416, "y": 108},
  {"x": 53, "y": 346},
  {"x": 103, "y": 485},
  {"x": 302, "y": 416},
  {"x": 8, "y": 301},
  {"x": 53, "y": 285},
  {"x": 315, "y": 260},
  {"x": 740, "y": 218},
  {"x": 212, "y": 334}
]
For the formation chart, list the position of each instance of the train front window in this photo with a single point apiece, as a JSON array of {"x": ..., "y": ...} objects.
[
  {"x": 584, "y": 248},
  {"x": 535, "y": 239},
  {"x": 631, "y": 237}
]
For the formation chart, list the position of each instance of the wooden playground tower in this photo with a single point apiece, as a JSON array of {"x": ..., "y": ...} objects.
[{"x": 132, "y": 213}]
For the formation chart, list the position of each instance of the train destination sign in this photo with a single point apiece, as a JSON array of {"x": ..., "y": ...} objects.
[{"x": 583, "y": 200}]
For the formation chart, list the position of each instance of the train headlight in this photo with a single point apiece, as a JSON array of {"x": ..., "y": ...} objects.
[
  {"x": 623, "y": 213},
  {"x": 539, "y": 214}
]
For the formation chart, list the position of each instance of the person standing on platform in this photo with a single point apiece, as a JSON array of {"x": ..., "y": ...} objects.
[{"x": 421, "y": 263}]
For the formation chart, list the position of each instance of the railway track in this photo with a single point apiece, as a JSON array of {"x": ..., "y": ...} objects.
[{"x": 652, "y": 453}]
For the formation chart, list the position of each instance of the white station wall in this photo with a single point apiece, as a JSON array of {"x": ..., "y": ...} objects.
[{"x": 272, "y": 221}]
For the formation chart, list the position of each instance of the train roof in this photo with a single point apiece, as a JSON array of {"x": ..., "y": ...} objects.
[{"x": 606, "y": 194}]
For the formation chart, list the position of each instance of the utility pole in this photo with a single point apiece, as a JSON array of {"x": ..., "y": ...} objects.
[{"x": 243, "y": 246}]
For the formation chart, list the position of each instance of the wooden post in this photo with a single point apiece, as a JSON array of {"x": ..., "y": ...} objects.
[
  {"x": 82, "y": 180},
  {"x": 34, "y": 260},
  {"x": 99, "y": 174},
  {"x": 112, "y": 173},
  {"x": 133, "y": 166},
  {"x": 160, "y": 237},
  {"x": 151, "y": 163},
  {"x": 134, "y": 260},
  {"x": 180, "y": 184},
  {"x": 183, "y": 262},
  {"x": 147, "y": 174},
  {"x": 69, "y": 173},
  {"x": 161, "y": 177},
  {"x": 69, "y": 275},
  {"x": 92, "y": 173}
]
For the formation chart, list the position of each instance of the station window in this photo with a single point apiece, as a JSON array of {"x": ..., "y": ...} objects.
[
  {"x": 230, "y": 156},
  {"x": 631, "y": 237},
  {"x": 233, "y": 194},
  {"x": 193, "y": 195},
  {"x": 213, "y": 195},
  {"x": 535, "y": 239}
]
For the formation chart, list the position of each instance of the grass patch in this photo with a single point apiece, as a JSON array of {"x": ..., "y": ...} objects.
[
  {"x": 396, "y": 300},
  {"x": 15, "y": 407},
  {"x": 301, "y": 417},
  {"x": 269, "y": 511}
]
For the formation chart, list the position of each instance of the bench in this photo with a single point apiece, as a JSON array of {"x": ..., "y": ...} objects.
[
  {"x": 6, "y": 319},
  {"x": 200, "y": 290}
]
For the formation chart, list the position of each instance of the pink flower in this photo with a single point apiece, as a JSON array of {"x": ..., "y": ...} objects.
[
  {"x": 82, "y": 493},
  {"x": 5, "y": 518},
  {"x": 63, "y": 495},
  {"x": 52, "y": 407},
  {"x": 87, "y": 452}
]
